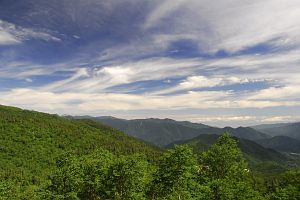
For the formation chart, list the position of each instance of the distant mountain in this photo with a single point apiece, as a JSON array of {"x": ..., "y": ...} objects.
[
  {"x": 249, "y": 148},
  {"x": 156, "y": 131},
  {"x": 290, "y": 129},
  {"x": 240, "y": 132},
  {"x": 162, "y": 132},
  {"x": 281, "y": 143}
]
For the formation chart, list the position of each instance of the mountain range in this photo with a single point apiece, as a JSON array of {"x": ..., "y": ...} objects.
[{"x": 163, "y": 132}]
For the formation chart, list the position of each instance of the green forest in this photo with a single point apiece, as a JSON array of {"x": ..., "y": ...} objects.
[{"x": 45, "y": 156}]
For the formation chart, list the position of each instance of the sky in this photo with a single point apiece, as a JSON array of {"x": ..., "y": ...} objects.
[{"x": 222, "y": 63}]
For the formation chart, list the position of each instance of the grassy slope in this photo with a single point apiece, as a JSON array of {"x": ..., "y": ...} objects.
[{"x": 31, "y": 141}]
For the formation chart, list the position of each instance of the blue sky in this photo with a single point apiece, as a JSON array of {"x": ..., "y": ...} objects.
[{"x": 226, "y": 62}]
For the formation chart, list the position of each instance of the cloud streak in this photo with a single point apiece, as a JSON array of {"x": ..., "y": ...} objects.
[
  {"x": 11, "y": 34},
  {"x": 231, "y": 25}
]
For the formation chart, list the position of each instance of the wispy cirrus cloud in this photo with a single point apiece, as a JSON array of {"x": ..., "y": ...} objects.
[
  {"x": 12, "y": 34},
  {"x": 230, "y": 25},
  {"x": 7, "y": 38}
]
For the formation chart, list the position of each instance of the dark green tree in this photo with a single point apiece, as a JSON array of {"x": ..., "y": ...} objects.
[
  {"x": 176, "y": 175},
  {"x": 80, "y": 177},
  {"x": 288, "y": 187},
  {"x": 128, "y": 178},
  {"x": 225, "y": 171}
]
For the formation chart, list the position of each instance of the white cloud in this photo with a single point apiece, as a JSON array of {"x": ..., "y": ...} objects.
[
  {"x": 7, "y": 38},
  {"x": 22, "y": 69},
  {"x": 29, "y": 80},
  {"x": 67, "y": 84},
  {"x": 97, "y": 102},
  {"x": 280, "y": 119},
  {"x": 198, "y": 82},
  {"x": 12, "y": 34},
  {"x": 240, "y": 120},
  {"x": 224, "y": 118},
  {"x": 91, "y": 102},
  {"x": 283, "y": 93},
  {"x": 231, "y": 24},
  {"x": 163, "y": 9},
  {"x": 102, "y": 78}
]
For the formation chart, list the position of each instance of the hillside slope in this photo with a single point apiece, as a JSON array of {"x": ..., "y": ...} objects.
[
  {"x": 30, "y": 142},
  {"x": 261, "y": 160}
]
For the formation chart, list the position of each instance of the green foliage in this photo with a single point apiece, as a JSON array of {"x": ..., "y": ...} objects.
[
  {"x": 79, "y": 177},
  {"x": 286, "y": 193},
  {"x": 31, "y": 141},
  {"x": 261, "y": 160},
  {"x": 287, "y": 186},
  {"x": 224, "y": 159},
  {"x": 225, "y": 171},
  {"x": 6, "y": 190},
  {"x": 128, "y": 178},
  {"x": 176, "y": 175},
  {"x": 100, "y": 175}
]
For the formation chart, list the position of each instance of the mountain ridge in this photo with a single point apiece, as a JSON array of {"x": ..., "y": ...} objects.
[{"x": 162, "y": 132}]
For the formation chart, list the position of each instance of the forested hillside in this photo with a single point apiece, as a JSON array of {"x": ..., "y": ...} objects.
[{"x": 31, "y": 141}]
